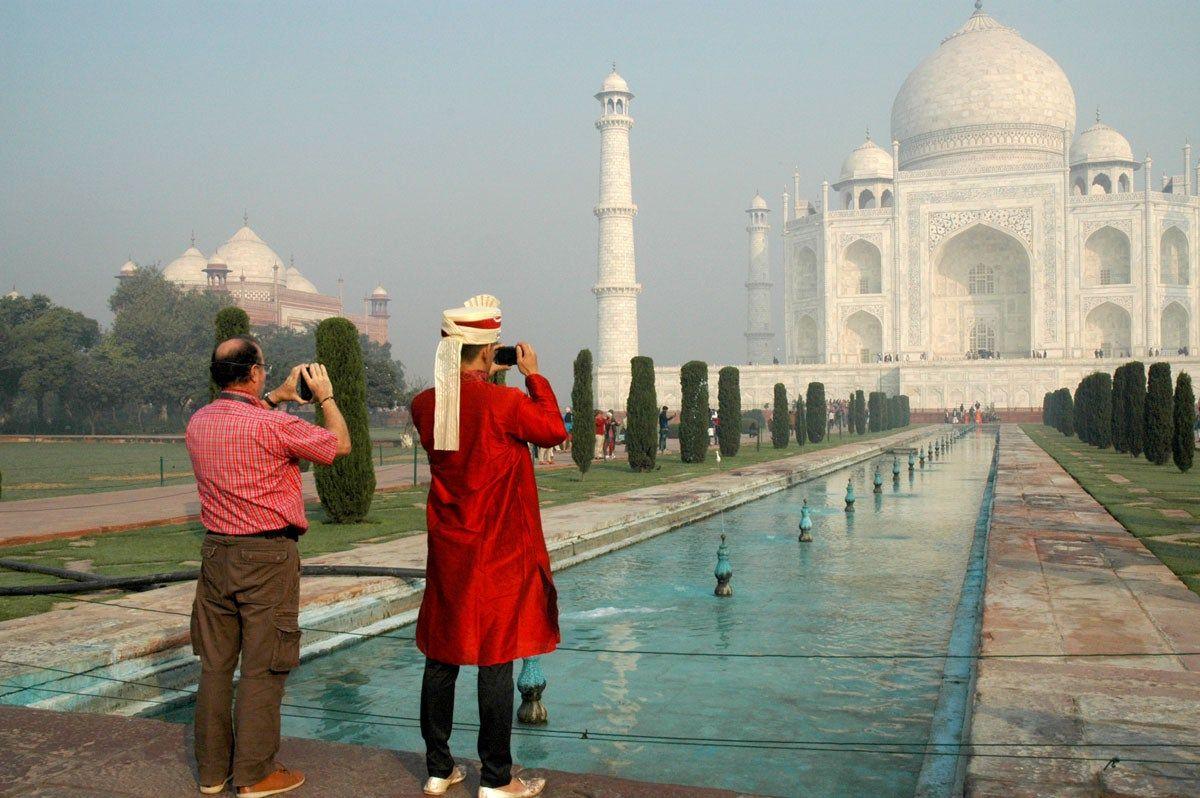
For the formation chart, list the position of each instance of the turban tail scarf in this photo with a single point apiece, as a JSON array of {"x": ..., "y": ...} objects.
[{"x": 477, "y": 322}]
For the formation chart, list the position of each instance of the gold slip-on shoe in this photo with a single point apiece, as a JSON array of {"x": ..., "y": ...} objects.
[{"x": 439, "y": 786}]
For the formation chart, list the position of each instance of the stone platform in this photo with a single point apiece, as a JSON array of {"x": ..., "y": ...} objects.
[
  {"x": 58, "y": 755},
  {"x": 1064, "y": 577}
]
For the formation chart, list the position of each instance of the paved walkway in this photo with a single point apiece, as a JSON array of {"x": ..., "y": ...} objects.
[
  {"x": 1065, "y": 578},
  {"x": 31, "y": 520},
  {"x": 49, "y": 755}
]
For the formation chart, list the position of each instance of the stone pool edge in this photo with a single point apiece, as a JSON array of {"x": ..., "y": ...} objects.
[{"x": 944, "y": 770}]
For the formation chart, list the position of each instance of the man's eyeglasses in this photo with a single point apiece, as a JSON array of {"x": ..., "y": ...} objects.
[{"x": 261, "y": 364}]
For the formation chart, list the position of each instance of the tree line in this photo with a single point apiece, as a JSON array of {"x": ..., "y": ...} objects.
[
  {"x": 807, "y": 420},
  {"x": 1135, "y": 415},
  {"x": 60, "y": 372}
]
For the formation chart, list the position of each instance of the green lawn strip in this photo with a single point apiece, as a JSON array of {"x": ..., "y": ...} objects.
[
  {"x": 46, "y": 469},
  {"x": 394, "y": 513},
  {"x": 1165, "y": 488}
]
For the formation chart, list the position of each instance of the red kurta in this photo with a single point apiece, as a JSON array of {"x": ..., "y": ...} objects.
[{"x": 489, "y": 597}]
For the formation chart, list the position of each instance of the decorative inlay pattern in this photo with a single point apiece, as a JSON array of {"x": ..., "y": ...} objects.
[
  {"x": 1019, "y": 221},
  {"x": 1086, "y": 228},
  {"x": 847, "y": 310},
  {"x": 846, "y": 239},
  {"x": 1090, "y": 303}
]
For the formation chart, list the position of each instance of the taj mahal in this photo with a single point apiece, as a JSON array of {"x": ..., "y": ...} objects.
[{"x": 989, "y": 253}]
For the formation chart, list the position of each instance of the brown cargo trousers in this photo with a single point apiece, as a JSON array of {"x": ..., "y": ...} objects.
[{"x": 247, "y": 602}]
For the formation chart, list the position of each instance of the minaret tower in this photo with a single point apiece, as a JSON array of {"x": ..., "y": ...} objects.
[
  {"x": 616, "y": 286},
  {"x": 759, "y": 338}
]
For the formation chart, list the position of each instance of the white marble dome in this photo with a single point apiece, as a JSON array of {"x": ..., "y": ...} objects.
[
  {"x": 869, "y": 161},
  {"x": 758, "y": 203},
  {"x": 129, "y": 267},
  {"x": 614, "y": 82},
  {"x": 1100, "y": 143},
  {"x": 188, "y": 268},
  {"x": 984, "y": 98},
  {"x": 295, "y": 281},
  {"x": 246, "y": 253},
  {"x": 380, "y": 292}
]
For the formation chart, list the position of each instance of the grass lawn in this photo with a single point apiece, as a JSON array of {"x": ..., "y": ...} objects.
[
  {"x": 394, "y": 513},
  {"x": 1158, "y": 504},
  {"x": 44, "y": 469}
]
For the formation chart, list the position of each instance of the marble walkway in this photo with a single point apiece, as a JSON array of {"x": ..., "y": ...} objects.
[{"x": 1064, "y": 577}]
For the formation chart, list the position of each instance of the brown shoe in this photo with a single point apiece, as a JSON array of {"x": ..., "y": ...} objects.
[{"x": 282, "y": 780}]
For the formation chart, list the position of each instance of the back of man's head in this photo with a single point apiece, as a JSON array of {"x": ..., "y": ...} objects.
[{"x": 232, "y": 360}]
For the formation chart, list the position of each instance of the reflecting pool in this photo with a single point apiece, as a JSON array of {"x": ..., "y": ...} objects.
[{"x": 884, "y": 579}]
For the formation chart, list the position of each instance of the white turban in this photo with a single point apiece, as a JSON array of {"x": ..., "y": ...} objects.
[{"x": 476, "y": 322}]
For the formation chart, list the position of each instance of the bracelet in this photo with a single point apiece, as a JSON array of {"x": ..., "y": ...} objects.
[
  {"x": 326, "y": 399},
  {"x": 270, "y": 402}
]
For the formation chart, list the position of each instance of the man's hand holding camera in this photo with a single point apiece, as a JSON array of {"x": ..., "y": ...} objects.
[{"x": 317, "y": 377}]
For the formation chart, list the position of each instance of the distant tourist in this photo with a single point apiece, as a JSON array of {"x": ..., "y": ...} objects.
[
  {"x": 610, "y": 435},
  {"x": 568, "y": 420},
  {"x": 601, "y": 425},
  {"x": 247, "y": 464},
  {"x": 664, "y": 427},
  {"x": 489, "y": 597}
]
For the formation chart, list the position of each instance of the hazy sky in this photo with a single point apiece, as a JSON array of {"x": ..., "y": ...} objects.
[{"x": 446, "y": 149}]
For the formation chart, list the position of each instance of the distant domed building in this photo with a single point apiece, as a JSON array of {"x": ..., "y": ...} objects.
[
  {"x": 988, "y": 254},
  {"x": 256, "y": 279}
]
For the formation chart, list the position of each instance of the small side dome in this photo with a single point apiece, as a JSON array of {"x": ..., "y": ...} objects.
[
  {"x": 129, "y": 268},
  {"x": 758, "y": 203},
  {"x": 869, "y": 161},
  {"x": 188, "y": 268},
  {"x": 216, "y": 260},
  {"x": 380, "y": 292},
  {"x": 1100, "y": 143},
  {"x": 13, "y": 294},
  {"x": 614, "y": 82},
  {"x": 295, "y": 281}
]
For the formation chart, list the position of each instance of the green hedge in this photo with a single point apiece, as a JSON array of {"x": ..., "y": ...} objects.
[
  {"x": 1158, "y": 412},
  {"x": 583, "y": 409},
  {"x": 1183, "y": 441},
  {"x": 641, "y": 415},
  {"x": 781, "y": 428},
  {"x": 729, "y": 411},
  {"x": 694, "y": 414},
  {"x": 816, "y": 413}
]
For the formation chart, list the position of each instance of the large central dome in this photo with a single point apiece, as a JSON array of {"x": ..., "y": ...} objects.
[{"x": 985, "y": 98}]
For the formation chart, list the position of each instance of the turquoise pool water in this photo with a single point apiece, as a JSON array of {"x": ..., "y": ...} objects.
[{"x": 885, "y": 579}]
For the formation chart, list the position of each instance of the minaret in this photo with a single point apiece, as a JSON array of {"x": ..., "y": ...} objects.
[
  {"x": 616, "y": 288},
  {"x": 759, "y": 338}
]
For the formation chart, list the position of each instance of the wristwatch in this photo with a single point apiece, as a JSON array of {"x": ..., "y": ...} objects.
[{"x": 271, "y": 403}]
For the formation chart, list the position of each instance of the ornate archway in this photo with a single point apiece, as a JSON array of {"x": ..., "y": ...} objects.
[
  {"x": 1173, "y": 258},
  {"x": 807, "y": 345},
  {"x": 1106, "y": 258},
  {"x": 1173, "y": 328},
  {"x": 861, "y": 271},
  {"x": 862, "y": 338},
  {"x": 1107, "y": 328},
  {"x": 981, "y": 274}
]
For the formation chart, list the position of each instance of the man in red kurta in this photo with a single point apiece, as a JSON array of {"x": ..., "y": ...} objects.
[{"x": 489, "y": 596}]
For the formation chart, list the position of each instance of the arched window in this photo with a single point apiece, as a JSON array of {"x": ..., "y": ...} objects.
[
  {"x": 620, "y": 106},
  {"x": 983, "y": 337},
  {"x": 866, "y": 199},
  {"x": 1123, "y": 184},
  {"x": 981, "y": 279},
  {"x": 885, "y": 200},
  {"x": 1101, "y": 184},
  {"x": 610, "y": 105},
  {"x": 1079, "y": 189},
  {"x": 848, "y": 201}
]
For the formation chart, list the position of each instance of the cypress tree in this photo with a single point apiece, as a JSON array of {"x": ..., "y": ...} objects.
[
  {"x": 905, "y": 411},
  {"x": 1120, "y": 440},
  {"x": 583, "y": 409},
  {"x": 229, "y": 322},
  {"x": 816, "y": 412},
  {"x": 1065, "y": 412},
  {"x": 1079, "y": 406},
  {"x": 1158, "y": 414},
  {"x": 347, "y": 487},
  {"x": 1183, "y": 441},
  {"x": 641, "y": 416},
  {"x": 875, "y": 411},
  {"x": 1101, "y": 412},
  {"x": 801, "y": 422},
  {"x": 860, "y": 421},
  {"x": 729, "y": 411},
  {"x": 1047, "y": 421},
  {"x": 781, "y": 428},
  {"x": 694, "y": 414},
  {"x": 1135, "y": 407}
]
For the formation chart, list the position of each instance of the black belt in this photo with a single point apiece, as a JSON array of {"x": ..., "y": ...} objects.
[{"x": 289, "y": 532}]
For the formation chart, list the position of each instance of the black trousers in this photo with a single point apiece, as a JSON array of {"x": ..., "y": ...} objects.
[{"x": 495, "y": 720}]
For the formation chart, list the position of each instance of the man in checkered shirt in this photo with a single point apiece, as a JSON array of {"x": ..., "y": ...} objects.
[{"x": 246, "y": 458}]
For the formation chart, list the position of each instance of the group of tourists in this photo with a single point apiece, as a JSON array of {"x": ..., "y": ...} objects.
[
  {"x": 489, "y": 596},
  {"x": 965, "y": 415}
]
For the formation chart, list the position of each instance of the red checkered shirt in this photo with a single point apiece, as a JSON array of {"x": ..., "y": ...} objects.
[{"x": 246, "y": 461}]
